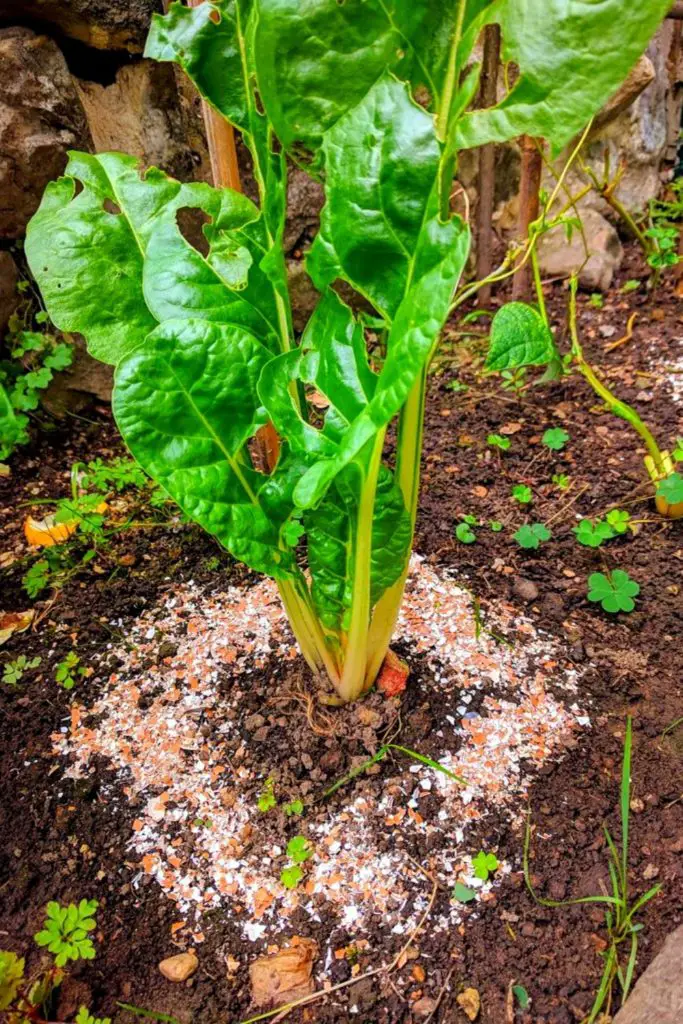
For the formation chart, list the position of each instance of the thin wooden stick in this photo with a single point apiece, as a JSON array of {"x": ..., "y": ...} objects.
[
  {"x": 487, "y": 157},
  {"x": 529, "y": 186}
]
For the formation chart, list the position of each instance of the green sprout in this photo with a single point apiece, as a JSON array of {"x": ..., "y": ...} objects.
[
  {"x": 465, "y": 534},
  {"x": 618, "y": 520},
  {"x": 593, "y": 534},
  {"x": 485, "y": 864},
  {"x": 298, "y": 850},
  {"x": 561, "y": 481},
  {"x": 294, "y": 807},
  {"x": 514, "y": 380},
  {"x": 291, "y": 876},
  {"x": 266, "y": 800},
  {"x": 495, "y": 525},
  {"x": 532, "y": 536},
  {"x": 65, "y": 932},
  {"x": 14, "y": 670},
  {"x": 614, "y": 591},
  {"x": 671, "y": 488},
  {"x": 632, "y": 285},
  {"x": 84, "y": 1016},
  {"x": 677, "y": 453},
  {"x": 521, "y": 995},
  {"x": 597, "y": 300},
  {"x": 463, "y": 894},
  {"x": 522, "y": 494},
  {"x": 498, "y": 441},
  {"x": 37, "y": 578},
  {"x": 68, "y": 670},
  {"x": 555, "y": 438}
]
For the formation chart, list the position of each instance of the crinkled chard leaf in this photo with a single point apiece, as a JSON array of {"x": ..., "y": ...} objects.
[
  {"x": 111, "y": 260},
  {"x": 186, "y": 404},
  {"x": 572, "y": 56}
]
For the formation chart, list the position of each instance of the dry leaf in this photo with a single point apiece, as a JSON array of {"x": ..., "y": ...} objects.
[
  {"x": 284, "y": 976},
  {"x": 469, "y": 1002},
  {"x": 480, "y": 491},
  {"x": 14, "y": 622},
  {"x": 511, "y": 428}
]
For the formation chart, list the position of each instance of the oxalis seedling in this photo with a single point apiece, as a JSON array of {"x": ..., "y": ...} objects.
[
  {"x": 485, "y": 864},
  {"x": 299, "y": 851},
  {"x": 555, "y": 439},
  {"x": 498, "y": 441},
  {"x": 211, "y": 381},
  {"x": 614, "y": 591},
  {"x": 561, "y": 481},
  {"x": 14, "y": 671},
  {"x": 522, "y": 494},
  {"x": 532, "y": 535}
]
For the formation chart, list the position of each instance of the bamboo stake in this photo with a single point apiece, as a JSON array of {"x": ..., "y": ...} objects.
[
  {"x": 529, "y": 185},
  {"x": 487, "y": 156}
]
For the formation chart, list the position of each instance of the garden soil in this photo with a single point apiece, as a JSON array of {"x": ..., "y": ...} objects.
[{"x": 75, "y": 820}]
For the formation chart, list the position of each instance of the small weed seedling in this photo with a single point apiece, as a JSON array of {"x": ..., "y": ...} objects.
[
  {"x": 555, "y": 438},
  {"x": 622, "y": 929},
  {"x": 295, "y": 807},
  {"x": 495, "y": 525},
  {"x": 66, "y": 936},
  {"x": 465, "y": 533},
  {"x": 299, "y": 851},
  {"x": 498, "y": 441},
  {"x": 671, "y": 489},
  {"x": 522, "y": 494},
  {"x": 632, "y": 285},
  {"x": 14, "y": 670},
  {"x": 618, "y": 520},
  {"x": 615, "y": 591},
  {"x": 561, "y": 481},
  {"x": 514, "y": 380},
  {"x": 532, "y": 536},
  {"x": 457, "y": 386},
  {"x": 597, "y": 300},
  {"x": 69, "y": 670},
  {"x": 266, "y": 800},
  {"x": 485, "y": 864},
  {"x": 592, "y": 534},
  {"x": 462, "y": 893}
]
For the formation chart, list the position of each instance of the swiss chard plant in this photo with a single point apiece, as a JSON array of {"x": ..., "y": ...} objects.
[{"x": 374, "y": 98}]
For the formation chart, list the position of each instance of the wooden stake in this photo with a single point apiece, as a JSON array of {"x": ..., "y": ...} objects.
[
  {"x": 529, "y": 185},
  {"x": 487, "y": 156}
]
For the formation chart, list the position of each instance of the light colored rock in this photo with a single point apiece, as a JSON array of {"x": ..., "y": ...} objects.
[
  {"x": 104, "y": 24},
  {"x": 40, "y": 119},
  {"x": 658, "y": 995},
  {"x": 139, "y": 113},
  {"x": 560, "y": 257},
  {"x": 9, "y": 297},
  {"x": 179, "y": 967}
]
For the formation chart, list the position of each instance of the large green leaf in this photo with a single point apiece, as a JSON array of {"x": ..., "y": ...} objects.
[
  {"x": 572, "y": 55},
  {"x": 375, "y": 218},
  {"x": 519, "y": 337},
  {"x": 317, "y": 59},
  {"x": 186, "y": 404},
  {"x": 111, "y": 260},
  {"x": 384, "y": 234}
]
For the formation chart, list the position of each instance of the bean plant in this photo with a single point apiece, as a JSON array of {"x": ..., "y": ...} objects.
[{"x": 374, "y": 98}]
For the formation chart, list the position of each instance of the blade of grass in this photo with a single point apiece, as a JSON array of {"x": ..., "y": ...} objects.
[
  {"x": 137, "y": 1011},
  {"x": 426, "y": 760},
  {"x": 605, "y": 985},
  {"x": 382, "y": 752},
  {"x": 625, "y": 801}
]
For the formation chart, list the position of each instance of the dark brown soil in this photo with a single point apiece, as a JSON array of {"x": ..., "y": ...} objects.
[{"x": 62, "y": 840}]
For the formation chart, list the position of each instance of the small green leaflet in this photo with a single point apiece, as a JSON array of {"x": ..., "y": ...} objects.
[
  {"x": 615, "y": 590},
  {"x": 593, "y": 534},
  {"x": 299, "y": 849},
  {"x": 291, "y": 876},
  {"x": 498, "y": 441},
  {"x": 522, "y": 494},
  {"x": 65, "y": 932},
  {"x": 532, "y": 536},
  {"x": 618, "y": 519},
  {"x": 671, "y": 489},
  {"x": 519, "y": 337},
  {"x": 555, "y": 438},
  {"x": 465, "y": 534},
  {"x": 521, "y": 995},
  {"x": 463, "y": 893},
  {"x": 484, "y": 864}
]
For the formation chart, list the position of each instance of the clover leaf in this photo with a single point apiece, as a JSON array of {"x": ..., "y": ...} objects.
[
  {"x": 593, "y": 534},
  {"x": 618, "y": 520},
  {"x": 495, "y": 525},
  {"x": 522, "y": 494},
  {"x": 555, "y": 438},
  {"x": 299, "y": 849},
  {"x": 291, "y": 876},
  {"x": 65, "y": 932},
  {"x": 671, "y": 488},
  {"x": 465, "y": 534},
  {"x": 532, "y": 536},
  {"x": 463, "y": 893},
  {"x": 615, "y": 591},
  {"x": 498, "y": 441},
  {"x": 484, "y": 864}
]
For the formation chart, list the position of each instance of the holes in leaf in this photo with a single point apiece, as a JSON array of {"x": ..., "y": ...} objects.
[
  {"x": 191, "y": 221},
  {"x": 111, "y": 207}
]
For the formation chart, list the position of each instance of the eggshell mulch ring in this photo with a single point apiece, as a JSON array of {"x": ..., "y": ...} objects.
[{"x": 176, "y": 723}]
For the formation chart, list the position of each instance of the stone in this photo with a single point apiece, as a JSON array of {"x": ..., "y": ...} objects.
[
  {"x": 424, "y": 1006},
  {"x": 74, "y": 388},
  {"x": 40, "y": 119},
  {"x": 638, "y": 79},
  {"x": 658, "y": 994},
  {"x": 140, "y": 113},
  {"x": 524, "y": 589},
  {"x": 103, "y": 24},
  {"x": 560, "y": 257},
  {"x": 9, "y": 296},
  {"x": 179, "y": 967}
]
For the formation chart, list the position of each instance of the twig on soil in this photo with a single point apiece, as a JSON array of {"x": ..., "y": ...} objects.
[
  {"x": 278, "y": 1012},
  {"x": 440, "y": 995},
  {"x": 564, "y": 508}
]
